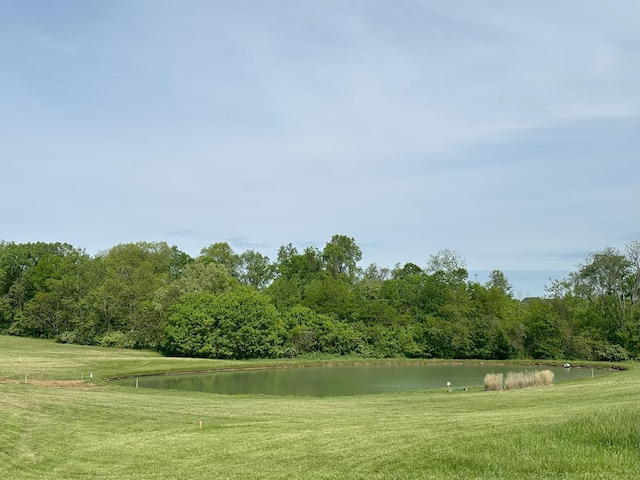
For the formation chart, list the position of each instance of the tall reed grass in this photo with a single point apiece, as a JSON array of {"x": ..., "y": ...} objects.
[
  {"x": 515, "y": 380},
  {"x": 493, "y": 381}
]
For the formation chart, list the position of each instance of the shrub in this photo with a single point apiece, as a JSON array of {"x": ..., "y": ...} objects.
[
  {"x": 238, "y": 324},
  {"x": 67, "y": 337},
  {"x": 493, "y": 381},
  {"x": 612, "y": 353},
  {"x": 116, "y": 340}
]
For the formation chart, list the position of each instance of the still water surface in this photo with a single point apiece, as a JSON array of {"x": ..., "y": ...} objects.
[{"x": 343, "y": 380}]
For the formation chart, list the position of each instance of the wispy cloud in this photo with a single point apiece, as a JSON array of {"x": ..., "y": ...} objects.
[{"x": 506, "y": 131}]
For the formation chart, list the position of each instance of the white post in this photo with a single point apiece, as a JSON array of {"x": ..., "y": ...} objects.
[
  {"x": 136, "y": 383},
  {"x": 26, "y": 378}
]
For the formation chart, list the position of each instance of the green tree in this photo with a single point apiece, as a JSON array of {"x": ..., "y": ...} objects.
[
  {"x": 498, "y": 281},
  {"x": 406, "y": 270},
  {"x": 205, "y": 277},
  {"x": 374, "y": 273},
  {"x": 446, "y": 339},
  {"x": 545, "y": 331},
  {"x": 222, "y": 254},
  {"x": 126, "y": 301},
  {"x": 608, "y": 280},
  {"x": 238, "y": 324},
  {"x": 633, "y": 257},
  {"x": 41, "y": 286},
  {"x": 294, "y": 271},
  {"x": 256, "y": 269},
  {"x": 448, "y": 265},
  {"x": 341, "y": 256},
  {"x": 61, "y": 283},
  {"x": 329, "y": 295},
  {"x": 369, "y": 302}
]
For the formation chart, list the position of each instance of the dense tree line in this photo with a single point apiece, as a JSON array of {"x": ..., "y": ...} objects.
[{"x": 222, "y": 304}]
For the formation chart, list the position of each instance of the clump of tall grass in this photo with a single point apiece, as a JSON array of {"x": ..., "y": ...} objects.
[
  {"x": 543, "y": 378},
  {"x": 493, "y": 381},
  {"x": 517, "y": 380}
]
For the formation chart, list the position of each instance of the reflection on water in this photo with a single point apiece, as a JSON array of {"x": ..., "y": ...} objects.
[{"x": 344, "y": 380}]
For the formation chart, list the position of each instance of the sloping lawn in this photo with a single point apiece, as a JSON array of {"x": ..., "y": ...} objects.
[{"x": 51, "y": 429}]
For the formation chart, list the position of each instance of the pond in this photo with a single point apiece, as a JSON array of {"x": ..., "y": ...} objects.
[{"x": 343, "y": 380}]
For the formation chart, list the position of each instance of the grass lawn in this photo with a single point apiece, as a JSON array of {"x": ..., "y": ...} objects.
[{"x": 51, "y": 428}]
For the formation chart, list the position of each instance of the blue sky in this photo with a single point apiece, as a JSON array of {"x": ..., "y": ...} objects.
[{"x": 506, "y": 131}]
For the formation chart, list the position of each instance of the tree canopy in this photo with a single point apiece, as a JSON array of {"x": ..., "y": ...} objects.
[{"x": 224, "y": 304}]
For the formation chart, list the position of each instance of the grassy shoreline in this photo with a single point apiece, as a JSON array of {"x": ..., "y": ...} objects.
[{"x": 582, "y": 429}]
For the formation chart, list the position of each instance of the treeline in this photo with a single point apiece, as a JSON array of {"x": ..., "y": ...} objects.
[{"x": 222, "y": 304}]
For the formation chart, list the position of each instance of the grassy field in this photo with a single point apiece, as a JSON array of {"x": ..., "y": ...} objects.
[{"x": 55, "y": 427}]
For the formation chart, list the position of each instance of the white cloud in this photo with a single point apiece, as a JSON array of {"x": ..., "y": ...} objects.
[{"x": 498, "y": 129}]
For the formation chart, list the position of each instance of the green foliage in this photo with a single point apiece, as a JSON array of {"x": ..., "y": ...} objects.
[
  {"x": 611, "y": 353},
  {"x": 221, "y": 254},
  {"x": 294, "y": 271},
  {"x": 498, "y": 281},
  {"x": 67, "y": 337},
  {"x": 256, "y": 270},
  {"x": 228, "y": 305},
  {"x": 237, "y": 324},
  {"x": 449, "y": 266},
  {"x": 116, "y": 340},
  {"x": 341, "y": 256},
  {"x": 329, "y": 295}
]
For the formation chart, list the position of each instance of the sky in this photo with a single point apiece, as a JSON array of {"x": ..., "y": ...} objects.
[{"x": 508, "y": 132}]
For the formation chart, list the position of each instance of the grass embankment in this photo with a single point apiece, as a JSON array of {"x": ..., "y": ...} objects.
[{"x": 583, "y": 429}]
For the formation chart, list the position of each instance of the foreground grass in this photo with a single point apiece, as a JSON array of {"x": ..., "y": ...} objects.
[{"x": 584, "y": 429}]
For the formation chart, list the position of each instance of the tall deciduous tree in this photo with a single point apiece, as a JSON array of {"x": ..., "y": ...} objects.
[
  {"x": 603, "y": 278},
  {"x": 449, "y": 265},
  {"x": 222, "y": 254},
  {"x": 124, "y": 302},
  {"x": 294, "y": 271},
  {"x": 341, "y": 256},
  {"x": 498, "y": 281},
  {"x": 632, "y": 250},
  {"x": 58, "y": 281},
  {"x": 256, "y": 269},
  {"x": 46, "y": 270}
]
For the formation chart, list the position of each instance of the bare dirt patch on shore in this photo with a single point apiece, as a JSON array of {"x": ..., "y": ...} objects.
[{"x": 53, "y": 383}]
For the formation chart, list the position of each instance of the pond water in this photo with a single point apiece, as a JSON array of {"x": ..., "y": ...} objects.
[{"x": 342, "y": 380}]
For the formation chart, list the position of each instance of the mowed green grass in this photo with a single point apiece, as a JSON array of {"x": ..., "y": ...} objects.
[{"x": 583, "y": 429}]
